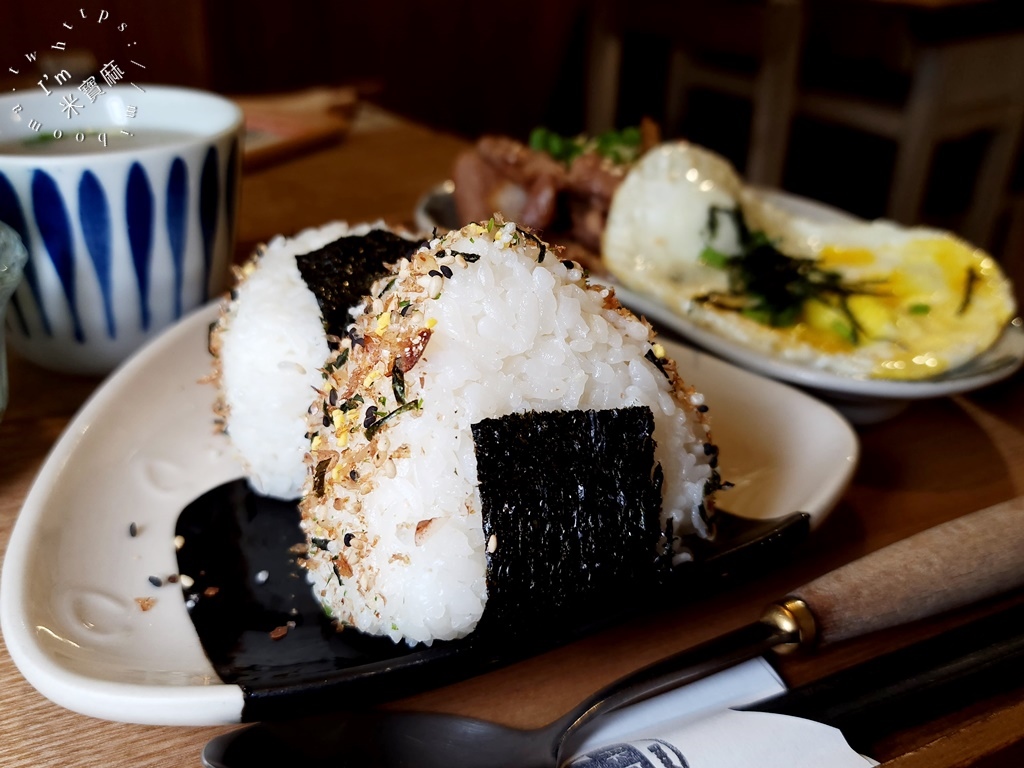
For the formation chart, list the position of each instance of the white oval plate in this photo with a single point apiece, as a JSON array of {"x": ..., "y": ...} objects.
[
  {"x": 144, "y": 446},
  {"x": 861, "y": 400}
]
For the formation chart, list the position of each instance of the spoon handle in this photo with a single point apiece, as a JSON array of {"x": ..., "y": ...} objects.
[{"x": 942, "y": 568}]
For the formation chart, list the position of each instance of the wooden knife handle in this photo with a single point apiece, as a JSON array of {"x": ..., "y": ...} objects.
[{"x": 945, "y": 567}]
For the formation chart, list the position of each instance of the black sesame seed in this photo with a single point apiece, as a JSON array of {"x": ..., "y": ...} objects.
[
  {"x": 332, "y": 398},
  {"x": 710, "y": 449},
  {"x": 446, "y": 270},
  {"x": 133, "y": 530},
  {"x": 702, "y": 408},
  {"x": 327, "y": 420},
  {"x": 348, "y": 539},
  {"x": 371, "y": 416},
  {"x": 156, "y": 581},
  {"x": 568, "y": 264},
  {"x": 405, "y": 310},
  {"x": 434, "y": 273},
  {"x": 353, "y": 476}
]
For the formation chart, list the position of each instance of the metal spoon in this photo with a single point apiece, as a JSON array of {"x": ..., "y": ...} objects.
[{"x": 946, "y": 567}]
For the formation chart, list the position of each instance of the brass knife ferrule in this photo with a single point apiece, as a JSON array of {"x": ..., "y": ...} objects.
[{"x": 791, "y": 616}]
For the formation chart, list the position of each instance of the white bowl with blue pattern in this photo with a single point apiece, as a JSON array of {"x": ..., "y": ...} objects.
[{"x": 127, "y": 207}]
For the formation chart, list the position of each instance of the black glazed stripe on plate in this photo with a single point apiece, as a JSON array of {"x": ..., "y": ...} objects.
[
  {"x": 240, "y": 550},
  {"x": 260, "y": 626}
]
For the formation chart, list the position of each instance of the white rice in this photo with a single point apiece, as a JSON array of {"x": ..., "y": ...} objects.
[
  {"x": 271, "y": 347},
  {"x": 400, "y": 511}
]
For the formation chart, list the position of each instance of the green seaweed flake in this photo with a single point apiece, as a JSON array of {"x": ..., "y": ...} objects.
[
  {"x": 770, "y": 287},
  {"x": 373, "y": 428},
  {"x": 969, "y": 284},
  {"x": 398, "y": 383},
  {"x": 337, "y": 362},
  {"x": 319, "y": 477}
]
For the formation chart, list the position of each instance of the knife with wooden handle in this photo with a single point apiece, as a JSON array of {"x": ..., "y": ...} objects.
[{"x": 951, "y": 565}]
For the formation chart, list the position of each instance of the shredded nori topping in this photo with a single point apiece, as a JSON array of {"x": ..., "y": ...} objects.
[
  {"x": 341, "y": 273},
  {"x": 319, "y": 477},
  {"x": 398, "y": 383},
  {"x": 771, "y": 287},
  {"x": 372, "y": 425},
  {"x": 570, "y": 503},
  {"x": 969, "y": 283}
]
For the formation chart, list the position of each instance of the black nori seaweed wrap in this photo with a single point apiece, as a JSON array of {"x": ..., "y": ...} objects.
[
  {"x": 341, "y": 273},
  {"x": 572, "y": 499}
]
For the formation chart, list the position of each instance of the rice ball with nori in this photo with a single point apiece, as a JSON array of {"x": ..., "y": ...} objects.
[
  {"x": 273, "y": 337},
  {"x": 481, "y": 323}
]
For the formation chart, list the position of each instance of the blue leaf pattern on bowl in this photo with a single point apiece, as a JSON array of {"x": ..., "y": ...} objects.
[
  {"x": 94, "y": 216},
  {"x": 209, "y": 192},
  {"x": 177, "y": 214},
  {"x": 55, "y": 229},
  {"x": 139, "y": 213}
]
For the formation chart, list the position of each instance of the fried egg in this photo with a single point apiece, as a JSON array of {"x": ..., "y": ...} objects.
[{"x": 863, "y": 299}]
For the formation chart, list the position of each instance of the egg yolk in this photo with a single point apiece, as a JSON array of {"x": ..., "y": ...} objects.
[{"x": 918, "y": 297}]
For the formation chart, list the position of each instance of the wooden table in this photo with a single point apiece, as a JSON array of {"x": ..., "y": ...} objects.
[{"x": 938, "y": 460}]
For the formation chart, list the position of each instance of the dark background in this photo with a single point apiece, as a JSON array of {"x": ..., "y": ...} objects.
[{"x": 505, "y": 67}]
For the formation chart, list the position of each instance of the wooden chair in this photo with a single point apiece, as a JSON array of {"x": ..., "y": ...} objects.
[
  {"x": 956, "y": 87},
  {"x": 767, "y": 34}
]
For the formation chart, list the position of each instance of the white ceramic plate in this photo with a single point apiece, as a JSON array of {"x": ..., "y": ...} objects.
[
  {"x": 861, "y": 400},
  {"x": 144, "y": 446}
]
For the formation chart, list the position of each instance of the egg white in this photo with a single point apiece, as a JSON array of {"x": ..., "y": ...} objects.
[{"x": 929, "y": 300}]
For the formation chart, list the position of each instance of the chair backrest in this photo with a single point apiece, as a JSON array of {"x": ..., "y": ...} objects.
[{"x": 980, "y": 72}]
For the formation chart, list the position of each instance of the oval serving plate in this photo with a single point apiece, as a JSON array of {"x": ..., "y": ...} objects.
[
  {"x": 861, "y": 400},
  {"x": 89, "y": 630}
]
